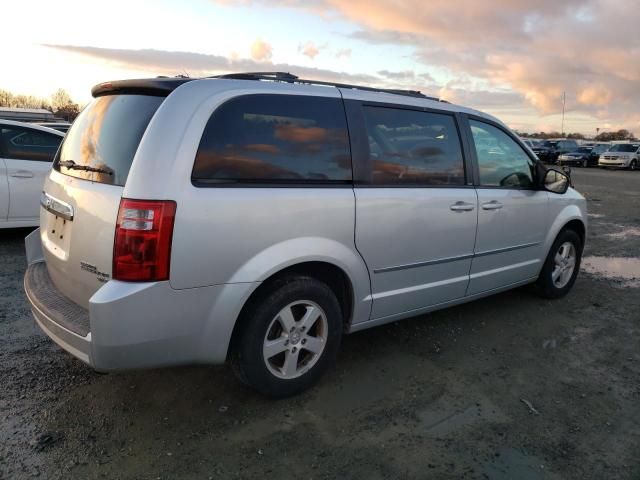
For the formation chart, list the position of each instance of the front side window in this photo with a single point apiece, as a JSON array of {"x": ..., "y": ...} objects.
[
  {"x": 27, "y": 144},
  {"x": 502, "y": 162},
  {"x": 408, "y": 147},
  {"x": 275, "y": 139}
]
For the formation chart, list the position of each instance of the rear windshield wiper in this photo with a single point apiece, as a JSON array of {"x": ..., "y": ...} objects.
[{"x": 70, "y": 164}]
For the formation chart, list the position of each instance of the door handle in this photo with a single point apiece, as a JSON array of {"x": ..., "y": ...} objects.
[
  {"x": 462, "y": 207},
  {"x": 22, "y": 174},
  {"x": 492, "y": 205}
]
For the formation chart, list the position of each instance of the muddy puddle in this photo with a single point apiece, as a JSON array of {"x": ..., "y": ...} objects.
[
  {"x": 624, "y": 269},
  {"x": 624, "y": 233}
]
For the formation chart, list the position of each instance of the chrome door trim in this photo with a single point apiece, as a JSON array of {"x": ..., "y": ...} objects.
[
  {"x": 423, "y": 264},
  {"x": 454, "y": 259},
  {"x": 415, "y": 288},
  {"x": 57, "y": 207},
  {"x": 506, "y": 249}
]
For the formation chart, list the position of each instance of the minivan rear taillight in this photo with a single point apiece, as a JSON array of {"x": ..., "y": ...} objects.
[{"x": 142, "y": 246}]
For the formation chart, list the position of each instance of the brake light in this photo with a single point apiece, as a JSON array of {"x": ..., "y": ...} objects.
[{"x": 142, "y": 245}]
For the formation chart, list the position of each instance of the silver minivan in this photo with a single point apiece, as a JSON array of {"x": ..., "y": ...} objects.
[{"x": 256, "y": 218}]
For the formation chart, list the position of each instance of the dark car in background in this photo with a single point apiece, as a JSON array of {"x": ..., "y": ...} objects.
[
  {"x": 585, "y": 156},
  {"x": 549, "y": 150}
]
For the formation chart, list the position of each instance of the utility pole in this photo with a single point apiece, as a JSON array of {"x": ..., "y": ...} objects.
[{"x": 564, "y": 100}]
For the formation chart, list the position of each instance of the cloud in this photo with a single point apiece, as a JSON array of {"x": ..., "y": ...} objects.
[
  {"x": 154, "y": 62},
  {"x": 405, "y": 75},
  {"x": 589, "y": 49},
  {"x": 309, "y": 49},
  {"x": 261, "y": 51},
  {"x": 343, "y": 53}
]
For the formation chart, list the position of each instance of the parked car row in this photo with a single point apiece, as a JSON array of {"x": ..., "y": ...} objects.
[{"x": 603, "y": 155}]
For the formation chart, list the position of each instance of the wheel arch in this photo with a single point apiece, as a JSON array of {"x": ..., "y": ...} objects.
[
  {"x": 330, "y": 261},
  {"x": 577, "y": 226},
  {"x": 328, "y": 273}
]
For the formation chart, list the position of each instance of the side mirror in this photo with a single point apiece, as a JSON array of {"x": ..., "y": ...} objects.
[{"x": 556, "y": 182}]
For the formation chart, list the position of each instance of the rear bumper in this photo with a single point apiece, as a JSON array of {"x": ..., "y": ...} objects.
[
  {"x": 138, "y": 325},
  {"x": 61, "y": 319}
]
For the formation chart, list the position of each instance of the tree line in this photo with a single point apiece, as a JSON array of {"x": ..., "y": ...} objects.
[
  {"x": 621, "y": 134},
  {"x": 59, "y": 103}
]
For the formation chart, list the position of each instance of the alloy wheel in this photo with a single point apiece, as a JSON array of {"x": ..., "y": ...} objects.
[
  {"x": 295, "y": 339},
  {"x": 564, "y": 264}
]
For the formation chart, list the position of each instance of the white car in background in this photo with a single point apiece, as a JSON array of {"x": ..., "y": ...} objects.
[
  {"x": 26, "y": 154},
  {"x": 621, "y": 155}
]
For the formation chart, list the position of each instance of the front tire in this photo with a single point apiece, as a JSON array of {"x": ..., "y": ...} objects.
[
  {"x": 633, "y": 165},
  {"x": 288, "y": 337},
  {"x": 561, "y": 267}
]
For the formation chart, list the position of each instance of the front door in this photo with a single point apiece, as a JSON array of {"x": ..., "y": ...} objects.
[
  {"x": 415, "y": 214},
  {"x": 512, "y": 213}
]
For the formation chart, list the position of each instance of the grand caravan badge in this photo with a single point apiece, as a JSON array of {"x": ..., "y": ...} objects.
[{"x": 102, "y": 277}]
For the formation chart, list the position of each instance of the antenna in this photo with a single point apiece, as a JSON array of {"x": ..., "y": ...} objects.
[{"x": 564, "y": 101}]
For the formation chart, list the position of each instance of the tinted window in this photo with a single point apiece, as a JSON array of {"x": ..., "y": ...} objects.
[
  {"x": 502, "y": 162},
  {"x": 106, "y": 135},
  {"x": 408, "y": 147},
  {"x": 275, "y": 138},
  {"x": 600, "y": 148},
  {"x": 623, "y": 147},
  {"x": 27, "y": 144}
]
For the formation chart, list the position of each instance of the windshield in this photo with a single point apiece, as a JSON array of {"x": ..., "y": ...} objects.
[
  {"x": 583, "y": 150},
  {"x": 549, "y": 144},
  {"x": 103, "y": 140},
  {"x": 624, "y": 147}
]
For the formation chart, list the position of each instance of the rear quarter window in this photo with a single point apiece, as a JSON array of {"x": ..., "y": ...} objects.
[
  {"x": 105, "y": 137},
  {"x": 275, "y": 139}
]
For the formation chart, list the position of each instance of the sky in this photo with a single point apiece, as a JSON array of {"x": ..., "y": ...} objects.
[{"x": 511, "y": 58}]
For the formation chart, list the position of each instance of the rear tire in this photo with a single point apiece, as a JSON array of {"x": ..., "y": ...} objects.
[
  {"x": 561, "y": 266},
  {"x": 289, "y": 336}
]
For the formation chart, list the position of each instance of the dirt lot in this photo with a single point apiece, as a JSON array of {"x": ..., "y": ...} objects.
[{"x": 507, "y": 387}]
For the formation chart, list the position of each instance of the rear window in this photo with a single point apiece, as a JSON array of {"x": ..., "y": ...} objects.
[
  {"x": 275, "y": 139},
  {"x": 105, "y": 137}
]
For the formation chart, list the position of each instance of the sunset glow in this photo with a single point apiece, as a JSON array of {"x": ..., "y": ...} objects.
[{"x": 511, "y": 58}]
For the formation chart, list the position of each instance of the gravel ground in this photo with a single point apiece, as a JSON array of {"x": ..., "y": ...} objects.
[{"x": 511, "y": 386}]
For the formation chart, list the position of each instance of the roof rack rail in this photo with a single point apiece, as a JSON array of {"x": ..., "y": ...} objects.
[
  {"x": 290, "y": 78},
  {"x": 281, "y": 76}
]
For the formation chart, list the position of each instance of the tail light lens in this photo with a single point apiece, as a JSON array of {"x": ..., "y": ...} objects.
[{"x": 142, "y": 246}]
